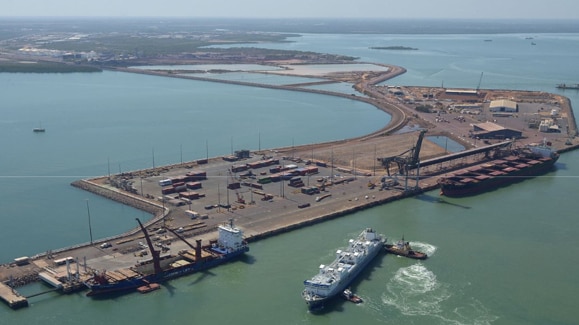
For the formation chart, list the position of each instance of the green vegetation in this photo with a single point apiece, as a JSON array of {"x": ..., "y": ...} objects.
[
  {"x": 129, "y": 42},
  {"x": 43, "y": 67},
  {"x": 153, "y": 45},
  {"x": 398, "y": 48}
]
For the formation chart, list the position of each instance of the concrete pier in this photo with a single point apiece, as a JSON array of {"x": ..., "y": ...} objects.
[{"x": 11, "y": 297}]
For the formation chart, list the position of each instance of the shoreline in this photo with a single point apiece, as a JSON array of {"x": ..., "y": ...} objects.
[{"x": 285, "y": 220}]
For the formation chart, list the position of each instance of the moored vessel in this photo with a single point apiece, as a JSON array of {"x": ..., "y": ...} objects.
[
  {"x": 529, "y": 161},
  {"x": 568, "y": 86},
  {"x": 332, "y": 279},
  {"x": 229, "y": 245}
]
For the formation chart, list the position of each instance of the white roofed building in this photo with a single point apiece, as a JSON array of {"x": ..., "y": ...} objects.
[{"x": 503, "y": 105}]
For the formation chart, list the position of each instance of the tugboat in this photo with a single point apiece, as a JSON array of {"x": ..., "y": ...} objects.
[
  {"x": 402, "y": 248},
  {"x": 350, "y": 296}
]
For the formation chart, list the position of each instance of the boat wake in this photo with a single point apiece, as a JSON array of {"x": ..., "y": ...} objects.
[
  {"x": 423, "y": 247},
  {"x": 415, "y": 291}
]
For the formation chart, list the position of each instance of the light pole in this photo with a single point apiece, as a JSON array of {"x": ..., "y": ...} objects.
[{"x": 89, "y": 224}]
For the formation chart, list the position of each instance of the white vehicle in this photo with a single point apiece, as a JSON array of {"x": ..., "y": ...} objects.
[{"x": 192, "y": 214}]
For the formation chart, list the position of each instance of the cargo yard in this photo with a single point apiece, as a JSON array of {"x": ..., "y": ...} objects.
[{"x": 276, "y": 190}]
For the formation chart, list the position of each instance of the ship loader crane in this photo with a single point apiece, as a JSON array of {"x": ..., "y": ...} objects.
[{"x": 405, "y": 163}]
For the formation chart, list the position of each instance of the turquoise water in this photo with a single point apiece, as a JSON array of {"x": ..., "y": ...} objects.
[{"x": 503, "y": 257}]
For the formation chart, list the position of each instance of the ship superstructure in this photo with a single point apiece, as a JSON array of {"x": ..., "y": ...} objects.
[{"x": 332, "y": 279}]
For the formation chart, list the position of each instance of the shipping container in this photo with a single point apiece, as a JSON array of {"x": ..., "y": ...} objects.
[
  {"x": 230, "y": 158},
  {"x": 254, "y": 165},
  {"x": 189, "y": 195},
  {"x": 196, "y": 175},
  {"x": 194, "y": 185},
  {"x": 168, "y": 190},
  {"x": 296, "y": 184},
  {"x": 310, "y": 190},
  {"x": 295, "y": 179},
  {"x": 238, "y": 168},
  {"x": 233, "y": 186},
  {"x": 311, "y": 170},
  {"x": 181, "y": 188},
  {"x": 275, "y": 177},
  {"x": 264, "y": 180},
  {"x": 179, "y": 179}
]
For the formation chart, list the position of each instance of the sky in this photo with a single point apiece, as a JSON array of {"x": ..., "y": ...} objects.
[{"x": 404, "y": 9}]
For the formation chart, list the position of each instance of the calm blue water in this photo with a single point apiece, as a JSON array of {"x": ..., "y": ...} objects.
[{"x": 504, "y": 257}]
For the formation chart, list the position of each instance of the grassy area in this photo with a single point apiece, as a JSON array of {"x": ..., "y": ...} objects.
[{"x": 43, "y": 67}]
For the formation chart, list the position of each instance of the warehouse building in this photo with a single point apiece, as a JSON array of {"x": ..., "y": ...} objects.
[
  {"x": 490, "y": 130},
  {"x": 503, "y": 106}
]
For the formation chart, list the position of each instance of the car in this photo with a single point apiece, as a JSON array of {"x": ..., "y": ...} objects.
[{"x": 106, "y": 245}]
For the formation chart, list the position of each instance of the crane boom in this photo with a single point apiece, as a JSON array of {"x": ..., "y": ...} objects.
[{"x": 154, "y": 253}]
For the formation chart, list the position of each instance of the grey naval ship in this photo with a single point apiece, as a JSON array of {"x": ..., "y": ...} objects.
[{"x": 332, "y": 279}]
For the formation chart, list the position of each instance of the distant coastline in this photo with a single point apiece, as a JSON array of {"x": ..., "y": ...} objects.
[
  {"x": 43, "y": 67},
  {"x": 313, "y": 25},
  {"x": 396, "y": 48}
]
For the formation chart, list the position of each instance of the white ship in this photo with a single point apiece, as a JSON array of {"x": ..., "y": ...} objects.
[{"x": 335, "y": 277}]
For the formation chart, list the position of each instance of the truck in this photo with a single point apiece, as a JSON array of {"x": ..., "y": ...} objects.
[
  {"x": 165, "y": 182},
  {"x": 192, "y": 214}
]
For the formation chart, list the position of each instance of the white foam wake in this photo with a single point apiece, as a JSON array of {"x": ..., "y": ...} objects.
[
  {"x": 415, "y": 291},
  {"x": 429, "y": 249}
]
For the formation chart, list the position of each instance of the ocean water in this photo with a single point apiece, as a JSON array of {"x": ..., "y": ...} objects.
[{"x": 504, "y": 257}]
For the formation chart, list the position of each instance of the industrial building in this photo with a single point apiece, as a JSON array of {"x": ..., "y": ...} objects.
[
  {"x": 503, "y": 105},
  {"x": 490, "y": 130}
]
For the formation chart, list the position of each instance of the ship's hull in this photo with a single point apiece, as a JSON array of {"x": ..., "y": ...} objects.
[
  {"x": 460, "y": 189},
  {"x": 317, "y": 302},
  {"x": 131, "y": 284},
  {"x": 406, "y": 253}
]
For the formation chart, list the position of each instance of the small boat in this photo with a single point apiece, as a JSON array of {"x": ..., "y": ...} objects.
[
  {"x": 148, "y": 288},
  {"x": 402, "y": 248},
  {"x": 38, "y": 129},
  {"x": 350, "y": 296}
]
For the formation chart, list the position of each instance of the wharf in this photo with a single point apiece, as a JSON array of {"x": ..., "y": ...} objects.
[{"x": 11, "y": 297}]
